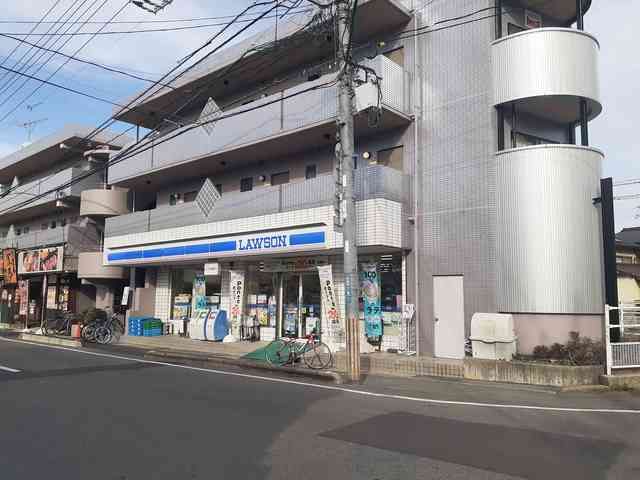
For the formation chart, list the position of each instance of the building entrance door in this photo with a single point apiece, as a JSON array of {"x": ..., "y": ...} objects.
[
  {"x": 301, "y": 311},
  {"x": 448, "y": 315}
]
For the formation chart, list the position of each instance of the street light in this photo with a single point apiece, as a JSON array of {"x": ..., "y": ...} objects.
[{"x": 149, "y": 6}]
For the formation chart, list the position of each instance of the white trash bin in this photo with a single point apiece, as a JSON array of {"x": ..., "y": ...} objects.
[{"x": 493, "y": 336}]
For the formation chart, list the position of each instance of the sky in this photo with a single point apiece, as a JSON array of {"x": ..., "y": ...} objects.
[{"x": 151, "y": 54}]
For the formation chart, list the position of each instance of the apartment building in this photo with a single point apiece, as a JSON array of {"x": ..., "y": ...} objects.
[
  {"x": 47, "y": 239},
  {"x": 472, "y": 192}
]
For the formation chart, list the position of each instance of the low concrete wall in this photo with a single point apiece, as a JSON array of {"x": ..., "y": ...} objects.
[
  {"x": 58, "y": 341},
  {"x": 402, "y": 366},
  {"x": 531, "y": 373}
]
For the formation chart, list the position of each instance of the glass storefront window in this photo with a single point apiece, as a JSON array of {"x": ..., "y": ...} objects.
[{"x": 188, "y": 285}]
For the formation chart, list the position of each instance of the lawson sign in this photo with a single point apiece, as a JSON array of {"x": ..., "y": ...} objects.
[{"x": 256, "y": 244}]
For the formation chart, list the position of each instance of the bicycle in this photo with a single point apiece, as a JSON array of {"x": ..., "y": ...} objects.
[
  {"x": 315, "y": 354},
  {"x": 104, "y": 333},
  {"x": 59, "y": 324}
]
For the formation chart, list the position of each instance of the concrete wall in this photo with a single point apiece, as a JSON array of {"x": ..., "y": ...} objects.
[{"x": 546, "y": 329}]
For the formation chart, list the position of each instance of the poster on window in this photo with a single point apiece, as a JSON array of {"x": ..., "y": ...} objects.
[
  {"x": 330, "y": 312},
  {"x": 52, "y": 299},
  {"x": 40, "y": 261},
  {"x": 9, "y": 266},
  {"x": 370, "y": 288},
  {"x": 200, "y": 293},
  {"x": 237, "y": 282}
]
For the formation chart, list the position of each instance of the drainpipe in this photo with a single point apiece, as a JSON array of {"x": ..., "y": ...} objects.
[
  {"x": 416, "y": 186},
  {"x": 499, "y": 108}
]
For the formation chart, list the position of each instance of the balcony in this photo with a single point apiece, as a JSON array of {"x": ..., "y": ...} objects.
[
  {"x": 42, "y": 206},
  {"x": 295, "y": 48},
  {"x": 548, "y": 230},
  {"x": 90, "y": 267},
  {"x": 104, "y": 203},
  {"x": 562, "y": 10},
  {"x": 546, "y": 71},
  {"x": 279, "y": 128},
  {"x": 39, "y": 238},
  {"x": 371, "y": 182}
]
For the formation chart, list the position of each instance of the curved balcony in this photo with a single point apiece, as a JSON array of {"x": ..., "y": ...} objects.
[
  {"x": 103, "y": 203},
  {"x": 545, "y": 71},
  {"x": 90, "y": 267},
  {"x": 562, "y": 10},
  {"x": 548, "y": 230}
]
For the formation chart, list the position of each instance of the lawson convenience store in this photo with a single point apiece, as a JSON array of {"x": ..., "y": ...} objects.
[{"x": 270, "y": 284}]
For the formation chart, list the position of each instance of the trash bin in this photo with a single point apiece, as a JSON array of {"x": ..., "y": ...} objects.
[{"x": 493, "y": 336}]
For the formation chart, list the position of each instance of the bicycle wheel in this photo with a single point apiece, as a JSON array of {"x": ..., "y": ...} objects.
[
  {"x": 278, "y": 353},
  {"x": 318, "y": 356},
  {"x": 88, "y": 332},
  {"x": 103, "y": 335}
]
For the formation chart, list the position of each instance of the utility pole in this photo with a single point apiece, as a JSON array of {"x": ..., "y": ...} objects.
[{"x": 345, "y": 158}]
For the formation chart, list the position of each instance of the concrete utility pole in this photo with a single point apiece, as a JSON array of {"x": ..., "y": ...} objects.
[{"x": 345, "y": 154}]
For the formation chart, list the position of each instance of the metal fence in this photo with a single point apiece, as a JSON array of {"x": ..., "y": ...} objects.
[{"x": 626, "y": 352}]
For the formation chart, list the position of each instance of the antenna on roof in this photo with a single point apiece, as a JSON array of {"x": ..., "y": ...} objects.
[{"x": 30, "y": 127}]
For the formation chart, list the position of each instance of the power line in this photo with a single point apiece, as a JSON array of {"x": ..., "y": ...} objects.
[
  {"x": 622, "y": 183},
  {"x": 104, "y": 125}
]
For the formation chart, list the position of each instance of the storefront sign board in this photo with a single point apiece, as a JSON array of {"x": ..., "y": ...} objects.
[
  {"x": 283, "y": 241},
  {"x": 211, "y": 269},
  {"x": 40, "y": 261},
  {"x": 370, "y": 287},
  {"x": 9, "y": 266}
]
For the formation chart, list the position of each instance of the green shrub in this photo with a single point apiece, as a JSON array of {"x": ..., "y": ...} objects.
[{"x": 577, "y": 351}]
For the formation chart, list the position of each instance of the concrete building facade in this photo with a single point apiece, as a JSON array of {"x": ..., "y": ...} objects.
[{"x": 467, "y": 170}]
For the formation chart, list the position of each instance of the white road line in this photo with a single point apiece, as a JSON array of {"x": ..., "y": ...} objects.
[
  {"x": 10, "y": 370},
  {"x": 339, "y": 389}
]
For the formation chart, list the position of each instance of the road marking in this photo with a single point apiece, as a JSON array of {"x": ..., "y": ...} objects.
[
  {"x": 353, "y": 391},
  {"x": 10, "y": 370}
]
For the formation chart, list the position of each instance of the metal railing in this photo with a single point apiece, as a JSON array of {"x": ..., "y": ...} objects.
[{"x": 625, "y": 353}]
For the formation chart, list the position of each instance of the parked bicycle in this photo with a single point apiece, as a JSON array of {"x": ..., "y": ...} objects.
[
  {"x": 315, "y": 354},
  {"x": 58, "y": 323},
  {"x": 102, "y": 329}
]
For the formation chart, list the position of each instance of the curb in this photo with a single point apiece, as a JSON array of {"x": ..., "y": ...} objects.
[
  {"x": 59, "y": 341},
  {"x": 208, "y": 361}
]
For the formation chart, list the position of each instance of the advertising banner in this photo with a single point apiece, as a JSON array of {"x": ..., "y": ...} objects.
[
  {"x": 199, "y": 293},
  {"x": 370, "y": 287},
  {"x": 9, "y": 266},
  {"x": 330, "y": 312},
  {"x": 23, "y": 295},
  {"x": 237, "y": 300},
  {"x": 40, "y": 261}
]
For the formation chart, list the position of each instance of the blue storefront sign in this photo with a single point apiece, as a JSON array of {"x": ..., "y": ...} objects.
[{"x": 272, "y": 242}]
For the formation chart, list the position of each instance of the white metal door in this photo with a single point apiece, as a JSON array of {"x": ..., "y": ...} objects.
[{"x": 448, "y": 313}]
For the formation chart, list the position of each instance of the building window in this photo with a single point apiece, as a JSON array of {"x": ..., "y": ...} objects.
[
  {"x": 246, "y": 184},
  {"x": 63, "y": 222},
  {"x": 311, "y": 171},
  {"x": 280, "y": 178},
  {"x": 26, "y": 230},
  {"x": 396, "y": 56},
  {"x": 44, "y": 226},
  {"x": 391, "y": 157},
  {"x": 53, "y": 224},
  {"x": 174, "y": 199},
  {"x": 512, "y": 28},
  {"x": 527, "y": 140},
  {"x": 18, "y": 232},
  {"x": 624, "y": 259},
  {"x": 190, "y": 196},
  {"x": 219, "y": 188}
]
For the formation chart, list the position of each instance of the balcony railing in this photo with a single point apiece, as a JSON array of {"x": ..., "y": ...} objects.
[
  {"x": 371, "y": 182},
  {"x": 41, "y": 186},
  {"x": 272, "y": 117},
  {"x": 39, "y": 238}
]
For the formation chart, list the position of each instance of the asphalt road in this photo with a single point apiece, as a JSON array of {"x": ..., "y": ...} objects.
[{"x": 71, "y": 415}]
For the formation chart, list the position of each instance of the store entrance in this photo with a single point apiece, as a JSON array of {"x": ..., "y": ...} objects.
[{"x": 301, "y": 304}]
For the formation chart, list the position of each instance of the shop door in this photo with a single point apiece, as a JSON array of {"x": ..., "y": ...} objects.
[
  {"x": 448, "y": 315},
  {"x": 291, "y": 300},
  {"x": 311, "y": 304}
]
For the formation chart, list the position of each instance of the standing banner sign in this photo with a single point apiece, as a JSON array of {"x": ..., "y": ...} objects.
[
  {"x": 199, "y": 293},
  {"x": 237, "y": 300},
  {"x": 330, "y": 312},
  {"x": 370, "y": 286},
  {"x": 23, "y": 295}
]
